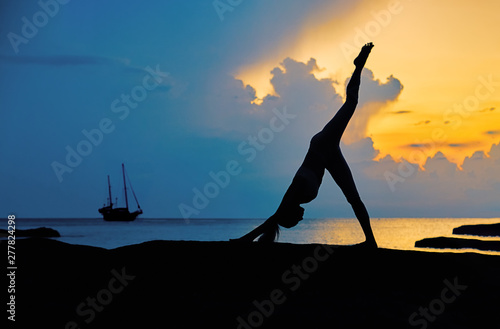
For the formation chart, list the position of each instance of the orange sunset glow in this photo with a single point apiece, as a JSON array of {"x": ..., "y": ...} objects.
[{"x": 448, "y": 67}]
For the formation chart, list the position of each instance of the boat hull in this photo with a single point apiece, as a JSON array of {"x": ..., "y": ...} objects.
[{"x": 119, "y": 214}]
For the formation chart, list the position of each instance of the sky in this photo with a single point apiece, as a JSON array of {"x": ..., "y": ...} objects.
[{"x": 211, "y": 105}]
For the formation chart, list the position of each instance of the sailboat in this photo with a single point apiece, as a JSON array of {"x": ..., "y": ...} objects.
[{"x": 120, "y": 214}]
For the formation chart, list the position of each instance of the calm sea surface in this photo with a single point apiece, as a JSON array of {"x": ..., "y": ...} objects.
[{"x": 392, "y": 233}]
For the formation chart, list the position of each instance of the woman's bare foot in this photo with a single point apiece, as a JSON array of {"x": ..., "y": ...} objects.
[
  {"x": 367, "y": 245},
  {"x": 363, "y": 55}
]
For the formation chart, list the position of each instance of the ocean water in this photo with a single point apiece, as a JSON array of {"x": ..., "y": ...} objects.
[{"x": 391, "y": 233}]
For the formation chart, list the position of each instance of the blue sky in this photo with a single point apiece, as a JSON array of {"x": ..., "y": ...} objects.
[{"x": 157, "y": 78}]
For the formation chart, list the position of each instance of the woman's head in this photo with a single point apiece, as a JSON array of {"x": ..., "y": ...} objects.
[{"x": 290, "y": 216}]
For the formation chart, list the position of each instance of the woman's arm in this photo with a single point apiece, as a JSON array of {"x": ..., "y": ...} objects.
[{"x": 268, "y": 226}]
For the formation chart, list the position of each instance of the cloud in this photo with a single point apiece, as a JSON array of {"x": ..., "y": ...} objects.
[
  {"x": 360, "y": 151},
  {"x": 374, "y": 95},
  {"x": 64, "y": 60},
  {"x": 374, "y": 91},
  {"x": 430, "y": 145},
  {"x": 229, "y": 106},
  {"x": 423, "y": 122},
  {"x": 402, "y": 112},
  {"x": 314, "y": 100},
  {"x": 417, "y": 145},
  {"x": 492, "y": 132},
  {"x": 169, "y": 85},
  {"x": 440, "y": 186},
  {"x": 440, "y": 165}
]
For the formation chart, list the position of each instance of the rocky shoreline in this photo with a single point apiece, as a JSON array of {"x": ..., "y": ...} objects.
[{"x": 482, "y": 230}]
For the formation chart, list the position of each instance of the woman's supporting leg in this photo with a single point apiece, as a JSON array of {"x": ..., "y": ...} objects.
[
  {"x": 342, "y": 175},
  {"x": 364, "y": 220}
]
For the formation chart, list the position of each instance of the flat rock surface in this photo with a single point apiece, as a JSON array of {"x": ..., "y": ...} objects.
[
  {"x": 40, "y": 232},
  {"x": 480, "y": 229},
  {"x": 458, "y": 243}
]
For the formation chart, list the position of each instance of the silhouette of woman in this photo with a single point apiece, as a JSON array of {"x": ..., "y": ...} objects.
[{"x": 324, "y": 153}]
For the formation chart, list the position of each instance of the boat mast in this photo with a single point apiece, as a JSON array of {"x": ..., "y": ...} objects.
[
  {"x": 109, "y": 188},
  {"x": 135, "y": 197},
  {"x": 124, "y": 185}
]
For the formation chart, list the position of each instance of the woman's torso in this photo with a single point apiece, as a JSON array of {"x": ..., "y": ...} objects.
[{"x": 312, "y": 170}]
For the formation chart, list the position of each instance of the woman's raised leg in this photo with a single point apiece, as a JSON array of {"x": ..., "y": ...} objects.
[{"x": 335, "y": 128}]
